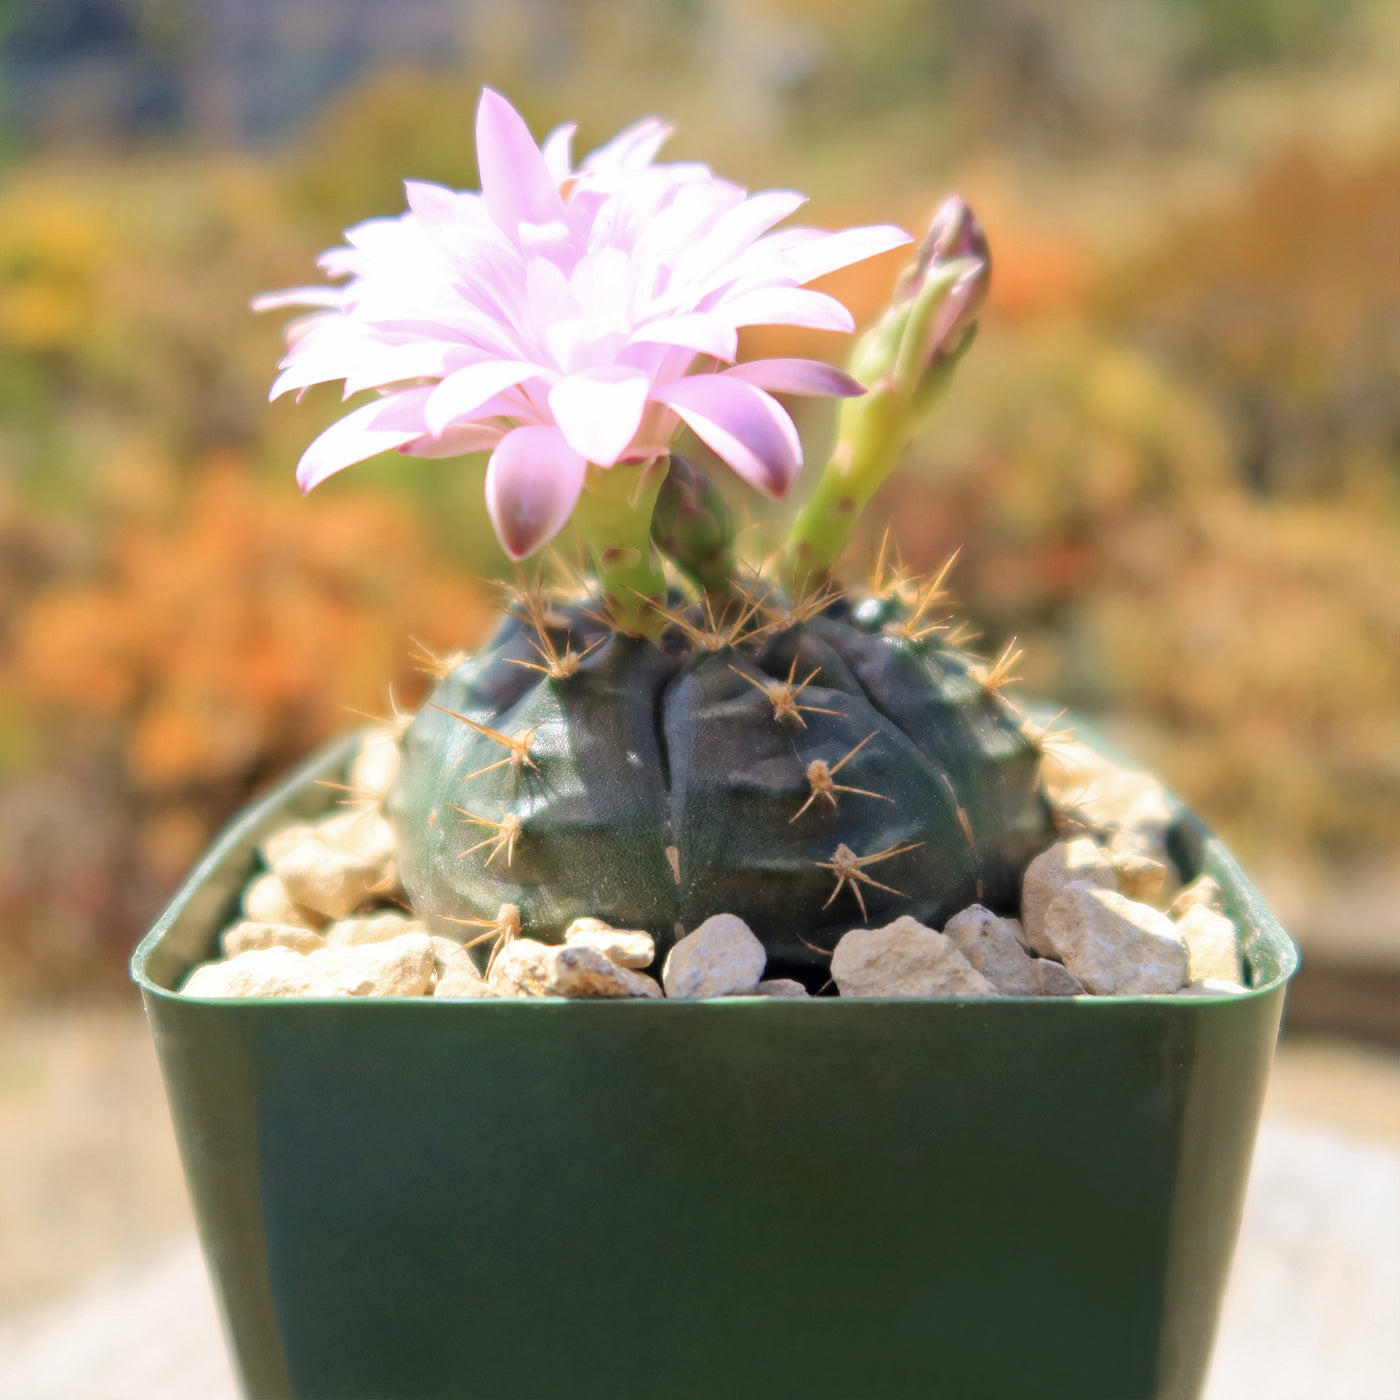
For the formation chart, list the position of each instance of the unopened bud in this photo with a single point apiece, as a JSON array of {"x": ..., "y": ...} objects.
[
  {"x": 692, "y": 524},
  {"x": 933, "y": 310},
  {"x": 953, "y": 233}
]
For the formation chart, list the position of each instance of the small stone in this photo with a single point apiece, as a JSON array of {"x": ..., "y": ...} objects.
[
  {"x": 1212, "y": 987},
  {"x": 530, "y": 969},
  {"x": 904, "y": 959},
  {"x": 330, "y": 881},
  {"x": 338, "y": 864},
  {"x": 1051, "y": 872},
  {"x": 1140, "y": 877},
  {"x": 401, "y": 967},
  {"x": 249, "y": 934},
  {"x": 266, "y": 901},
  {"x": 781, "y": 987},
  {"x": 627, "y": 947},
  {"x": 376, "y": 765},
  {"x": 1056, "y": 980},
  {"x": 1202, "y": 892},
  {"x": 1115, "y": 946},
  {"x": 458, "y": 976},
  {"x": 1212, "y": 946},
  {"x": 359, "y": 831},
  {"x": 993, "y": 946},
  {"x": 1128, "y": 850},
  {"x": 720, "y": 958},
  {"x": 373, "y": 928},
  {"x": 1078, "y": 779},
  {"x": 261, "y": 972},
  {"x": 444, "y": 950},
  {"x": 280, "y": 842}
]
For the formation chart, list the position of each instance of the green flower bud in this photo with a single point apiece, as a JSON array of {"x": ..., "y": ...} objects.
[
  {"x": 933, "y": 312},
  {"x": 693, "y": 526},
  {"x": 906, "y": 361}
]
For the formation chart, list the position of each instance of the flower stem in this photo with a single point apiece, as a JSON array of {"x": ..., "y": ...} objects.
[
  {"x": 869, "y": 439},
  {"x": 907, "y": 359},
  {"x": 613, "y": 517}
]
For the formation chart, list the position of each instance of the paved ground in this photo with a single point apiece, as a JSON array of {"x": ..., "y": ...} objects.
[{"x": 89, "y": 1183}]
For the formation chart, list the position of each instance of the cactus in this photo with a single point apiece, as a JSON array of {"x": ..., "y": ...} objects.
[
  {"x": 811, "y": 774},
  {"x": 806, "y": 759}
]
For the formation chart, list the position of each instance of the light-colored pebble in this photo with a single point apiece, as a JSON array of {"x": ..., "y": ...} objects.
[
  {"x": 1212, "y": 946},
  {"x": 444, "y": 950},
  {"x": 330, "y": 881},
  {"x": 283, "y": 840},
  {"x": 360, "y": 831},
  {"x": 339, "y": 864},
  {"x": 376, "y": 765},
  {"x": 400, "y": 967},
  {"x": 720, "y": 958},
  {"x": 1078, "y": 779},
  {"x": 1114, "y": 945},
  {"x": 458, "y": 976},
  {"x": 1202, "y": 892},
  {"x": 993, "y": 946},
  {"x": 249, "y": 934},
  {"x": 781, "y": 987},
  {"x": 1051, "y": 872},
  {"x": 526, "y": 968},
  {"x": 627, "y": 947},
  {"x": 266, "y": 901},
  {"x": 373, "y": 928},
  {"x": 262, "y": 972},
  {"x": 1055, "y": 980},
  {"x": 1212, "y": 987},
  {"x": 904, "y": 959},
  {"x": 1140, "y": 876}
]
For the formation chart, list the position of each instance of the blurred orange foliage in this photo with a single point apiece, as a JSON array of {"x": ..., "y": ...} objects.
[{"x": 215, "y": 644}]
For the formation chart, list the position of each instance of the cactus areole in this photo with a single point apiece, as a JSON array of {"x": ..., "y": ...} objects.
[{"x": 675, "y": 735}]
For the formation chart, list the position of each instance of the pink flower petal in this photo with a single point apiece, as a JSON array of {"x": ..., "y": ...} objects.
[
  {"x": 599, "y": 411},
  {"x": 296, "y": 296},
  {"x": 377, "y": 427},
  {"x": 786, "y": 306},
  {"x": 744, "y": 426},
  {"x": 631, "y": 148},
  {"x": 555, "y": 151},
  {"x": 737, "y": 228},
  {"x": 455, "y": 442},
  {"x": 464, "y": 391},
  {"x": 460, "y": 225},
  {"x": 532, "y": 484},
  {"x": 818, "y": 256},
  {"x": 698, "y": 331},
  {"x": 797, "y": 377},
  {"x": 515, "y": 181},
  {"x": 377, "y": 366}
]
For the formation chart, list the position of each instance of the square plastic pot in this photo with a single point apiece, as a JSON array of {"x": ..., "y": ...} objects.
[{"x": 760, "y": 1197}]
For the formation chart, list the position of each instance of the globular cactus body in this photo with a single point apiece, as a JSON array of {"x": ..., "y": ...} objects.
[{"x": 832, "y": 773}]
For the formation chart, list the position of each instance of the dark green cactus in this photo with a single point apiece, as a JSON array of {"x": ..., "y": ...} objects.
[{"x": 834, "y": 770}]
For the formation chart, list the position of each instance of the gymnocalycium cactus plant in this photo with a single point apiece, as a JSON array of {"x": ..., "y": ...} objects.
[{"x": 661, "y": 745}]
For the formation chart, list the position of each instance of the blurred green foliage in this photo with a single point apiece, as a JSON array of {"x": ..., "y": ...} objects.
[{"x": 1173, "y": 459}]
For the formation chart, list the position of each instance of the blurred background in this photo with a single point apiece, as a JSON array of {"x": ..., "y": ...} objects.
[{"x": 1172, "y": 461}]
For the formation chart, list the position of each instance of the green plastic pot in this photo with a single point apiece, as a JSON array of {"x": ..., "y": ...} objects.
[{"x": 751, "y": 1197}]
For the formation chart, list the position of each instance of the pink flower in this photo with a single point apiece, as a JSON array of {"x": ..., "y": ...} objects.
[{"x": 563, "y": 317}]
